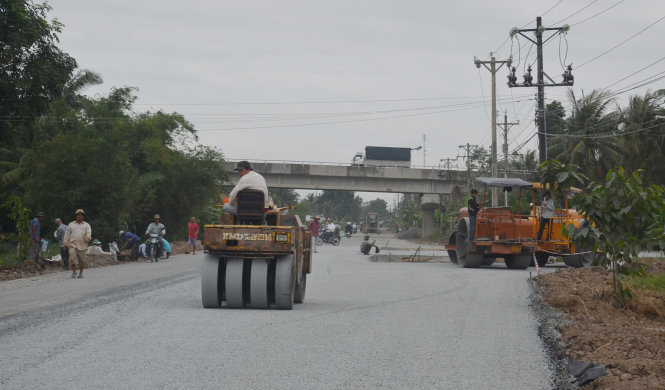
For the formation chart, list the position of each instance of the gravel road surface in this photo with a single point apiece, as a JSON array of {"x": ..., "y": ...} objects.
[{"x": 363, "y": 325}]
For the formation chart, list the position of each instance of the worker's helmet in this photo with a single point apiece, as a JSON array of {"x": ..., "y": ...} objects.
[
  {"x": 120, "y": 233},
  {"x": 156, "y": 216},
  {"x": 348, "y": 223}
]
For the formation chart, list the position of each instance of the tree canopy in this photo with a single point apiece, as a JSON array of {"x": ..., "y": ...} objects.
[{"x": 61, "y": 150}]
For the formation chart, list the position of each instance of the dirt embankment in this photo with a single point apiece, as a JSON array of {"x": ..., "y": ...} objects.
[{"x": 629, "y": 342}]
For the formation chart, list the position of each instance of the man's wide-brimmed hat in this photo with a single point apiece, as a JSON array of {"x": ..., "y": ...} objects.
[
  {"x": 317, "y": 217},
  {"x": 39, "y": 214},
  {"x": 156, "y": 216},
  {"x": 79, "y": 211},
  {"x": 96, "y": 242},
  {"x": 242, "y": 165}
]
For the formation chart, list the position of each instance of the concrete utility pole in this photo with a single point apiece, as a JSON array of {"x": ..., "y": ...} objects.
[
  {"x": 424, "y": 151},
  {"x": 467, "y": 149},
  {"x": 505, "y": 150},
  {"x": 540, "y": 83},
  {"x": 493, "y": 69}
]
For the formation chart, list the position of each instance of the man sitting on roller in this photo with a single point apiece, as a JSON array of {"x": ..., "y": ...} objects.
[{"x": 248, "y": 180}]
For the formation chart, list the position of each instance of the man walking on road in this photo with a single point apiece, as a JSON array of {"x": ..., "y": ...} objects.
[
  {"x": 60, "y": 236},
  {"x": 193, "y": 228},
  {"x": 35, "y": 239},
  {"x": 77, "y": 236},
  {"x": 314, "y": 227}
]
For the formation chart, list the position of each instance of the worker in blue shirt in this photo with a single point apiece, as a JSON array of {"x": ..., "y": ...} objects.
[{"x": 131, "y": 243}]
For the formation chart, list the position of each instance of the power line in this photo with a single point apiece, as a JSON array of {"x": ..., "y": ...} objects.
[
  {"x": 599, "y": 13},
  {"x": 528, "y": 23},
  {"x": 275, "y": 116},
  {"x": 634, "y": 73},
  {"x": 306, "y": 102},
  {"x": 336, "y": 122},
  {"x": 576, "y": 12},
  {"x": 609, "y": 134},
  {"x": 628, "y": 39}
]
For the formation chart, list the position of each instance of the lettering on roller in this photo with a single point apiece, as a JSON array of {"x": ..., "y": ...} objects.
[{"x": 247, "y": 236}]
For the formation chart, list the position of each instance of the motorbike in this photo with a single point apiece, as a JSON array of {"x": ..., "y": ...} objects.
[
  {"x": 347, "y": 234},
  {"x": 154, "y": 246},
  {"x": 327, "y": 237}
]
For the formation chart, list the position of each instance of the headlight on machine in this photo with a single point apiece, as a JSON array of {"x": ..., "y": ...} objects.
[{"x": 281, "y": 237}]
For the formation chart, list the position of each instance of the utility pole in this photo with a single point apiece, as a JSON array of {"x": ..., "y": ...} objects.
[
  {"x": 493, "y": 69},
  {"x": 467, "y": 149},
  {"x": 540, "y": 82},
  {"x": 424, "y": 151},
  {"x": 447, "y": 162},
  {"x": 505, "y": 150}
]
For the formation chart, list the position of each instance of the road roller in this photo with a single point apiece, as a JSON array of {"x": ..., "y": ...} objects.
[
  {"x": 256, "y": 258},
  {"x": 502, "y": 232}
]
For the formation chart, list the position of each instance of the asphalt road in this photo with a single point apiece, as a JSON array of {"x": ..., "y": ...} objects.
[{"x": 363, "y": 325}]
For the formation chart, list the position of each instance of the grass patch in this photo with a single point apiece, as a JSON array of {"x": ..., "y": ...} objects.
[{"x": 651, "y": 282}]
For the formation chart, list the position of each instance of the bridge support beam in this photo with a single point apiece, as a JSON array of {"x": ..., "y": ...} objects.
[{"x": 429, "y": 203}]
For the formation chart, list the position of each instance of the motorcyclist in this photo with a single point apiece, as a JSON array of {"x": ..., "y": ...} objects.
[
  {"x": 156, "y": 228},
  {"x": 348, "y": 229},
  {"x": 131, "y": 243},
  {"x": 329, "y": 231}
]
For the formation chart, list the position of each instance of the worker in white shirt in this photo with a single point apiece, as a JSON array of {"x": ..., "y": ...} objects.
[{"x": 249, "y": 179}]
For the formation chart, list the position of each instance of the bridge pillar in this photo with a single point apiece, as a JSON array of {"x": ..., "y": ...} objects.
[{"x": 428, "y": 204}]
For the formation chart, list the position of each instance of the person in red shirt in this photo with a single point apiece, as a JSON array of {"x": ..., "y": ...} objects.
[
  {"x": 193, "y": 233},
  {"x": 314, "y": 227}
]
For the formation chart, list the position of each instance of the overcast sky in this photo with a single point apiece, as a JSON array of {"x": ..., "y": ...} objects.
[{"x": 319, "y": 80}]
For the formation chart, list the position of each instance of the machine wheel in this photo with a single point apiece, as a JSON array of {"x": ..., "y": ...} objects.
[
  {"x": 153, "y": 253},
  {"x": 451, "y": 253},
  {"x": 258, "y": 294},
  {"x": 319, "y": 240},
  {"x": 235, "y": 298},
  {"x": 300, "y": 289},
  {"x": 541, "y": 258},
  {"x": 517, "y": 261},
  {"x": 466, "y": 258},
  {"x": 285, "y": 282},
  {"x": 212, "y": 281},
  {"x": 578, "y": 261},
  {"x": 335, "y": 241},
  {"x": 488, "y": 260}
]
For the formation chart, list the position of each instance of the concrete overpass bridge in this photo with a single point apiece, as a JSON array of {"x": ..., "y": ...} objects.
[{"x": 429, "y": 183}]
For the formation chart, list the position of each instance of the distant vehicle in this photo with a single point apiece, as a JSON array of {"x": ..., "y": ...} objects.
[
  {"x": 383, "y": 156},
  {"x": 372, "y": 225}
]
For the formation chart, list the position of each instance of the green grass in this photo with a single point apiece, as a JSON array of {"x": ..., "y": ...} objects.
[
  {"x": 652, "y": 282},
  {"x": 7, "y": 254}
]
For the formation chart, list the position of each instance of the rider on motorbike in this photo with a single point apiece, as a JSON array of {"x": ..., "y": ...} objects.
[
  {"x": 348, "y": 229},
  {"x": 156, "y": 228},
  {"x": 329, "y": 230}
]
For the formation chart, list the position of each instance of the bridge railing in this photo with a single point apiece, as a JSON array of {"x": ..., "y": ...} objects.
[{"x": 519, "y": 173}]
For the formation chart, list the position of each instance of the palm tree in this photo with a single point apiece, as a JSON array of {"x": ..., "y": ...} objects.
[
  {"x": 589, "y": 137},
  {"x": 644, "y": 138}
]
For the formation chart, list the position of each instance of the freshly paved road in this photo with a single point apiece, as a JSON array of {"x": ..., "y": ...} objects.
[{"x": 363, "y": 325}]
